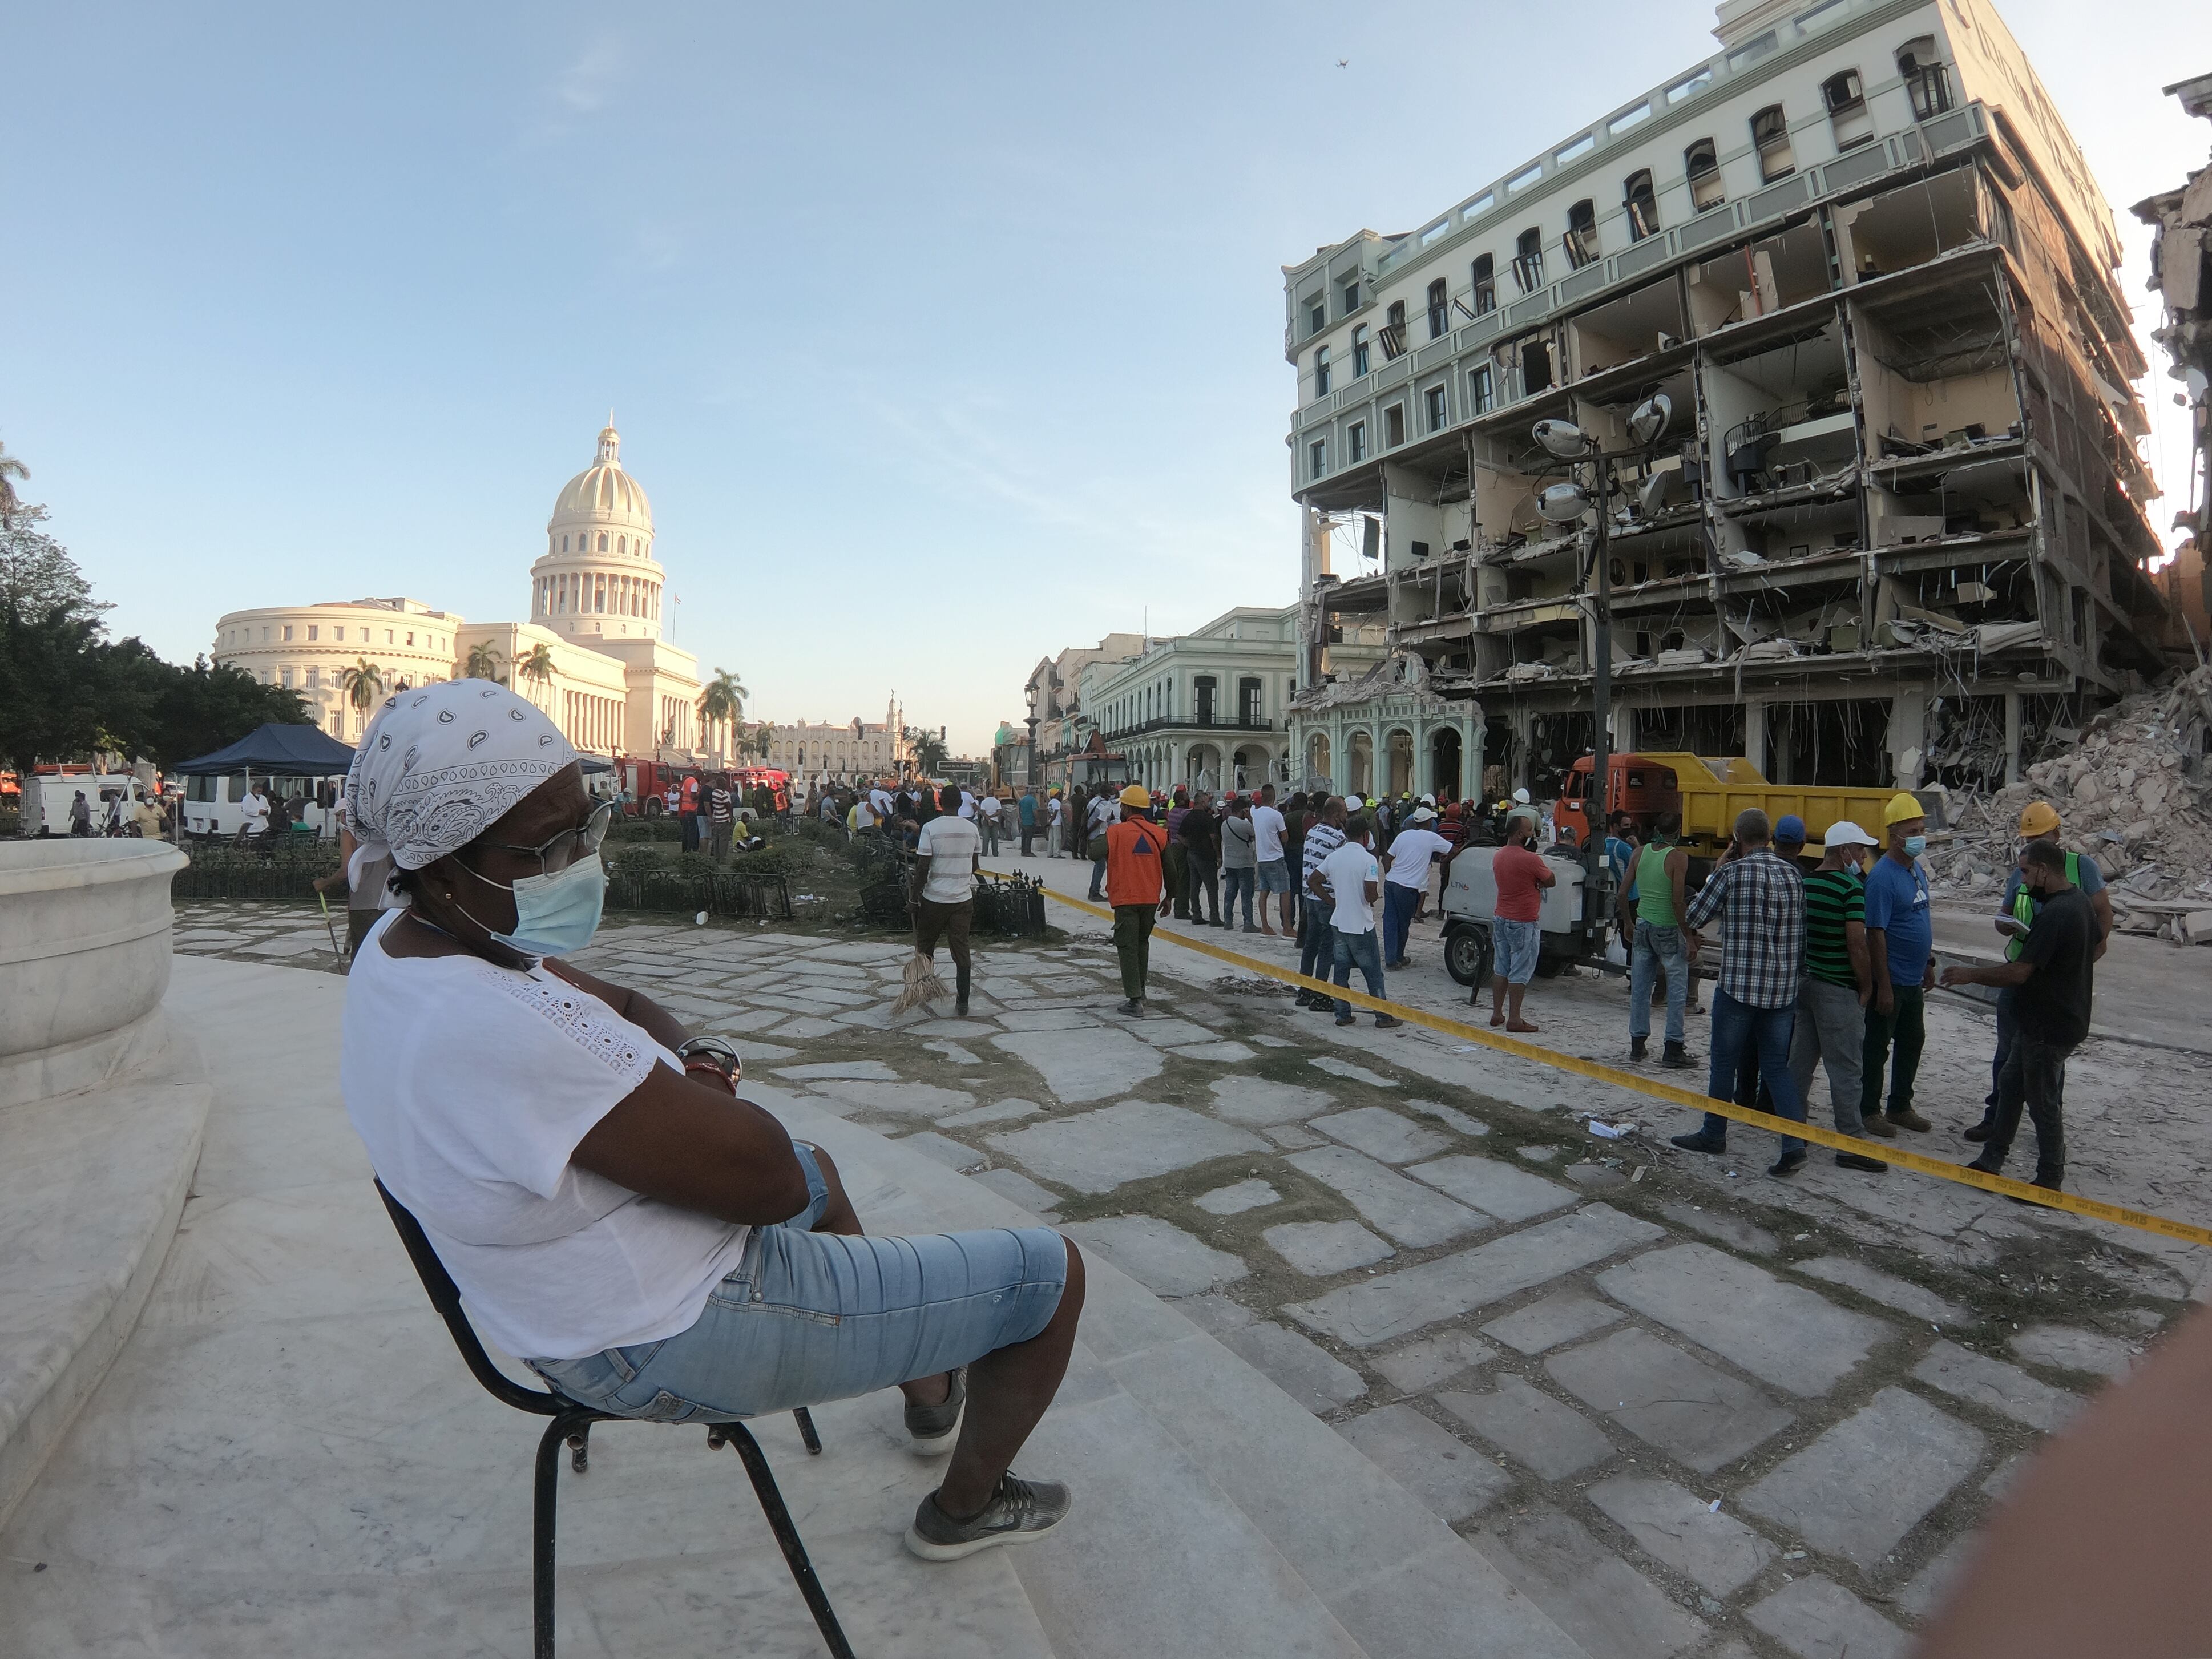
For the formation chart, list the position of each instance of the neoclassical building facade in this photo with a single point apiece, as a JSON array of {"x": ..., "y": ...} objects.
[
  {"x": 592, "y": 653},
  {"x": 1209, "y": 707},
  {"x": 821, "y": 750}
]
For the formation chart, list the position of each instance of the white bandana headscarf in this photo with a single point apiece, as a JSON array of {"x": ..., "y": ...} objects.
[{"x": 440, "y": 764}]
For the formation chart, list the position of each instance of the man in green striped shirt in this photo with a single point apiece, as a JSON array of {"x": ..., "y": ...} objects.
[{"x": 1838, "y": 978}]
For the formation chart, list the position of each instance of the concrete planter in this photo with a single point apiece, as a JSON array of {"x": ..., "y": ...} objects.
[{"x": 84, "y": 957}]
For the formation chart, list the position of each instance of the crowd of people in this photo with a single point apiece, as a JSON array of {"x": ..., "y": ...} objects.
[{"x": 1831, "y": 969}]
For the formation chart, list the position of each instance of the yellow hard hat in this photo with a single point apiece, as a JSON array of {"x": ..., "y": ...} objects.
[
  {"x": 2039, "y": 818},
  {"x": 1902, "y": 807},
  {"x": 1137, "y": 795}
]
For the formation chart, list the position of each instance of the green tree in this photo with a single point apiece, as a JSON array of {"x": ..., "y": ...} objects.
[
  {"x": 724, "y": 698},
  {"x": 11, "y": 503},
  {"x": 362, "y": 684},
  {"x": 483, "y": 663},
  {"x": 168, "y": 713},
  {"x": 929, "y": 751},
  {"x": 754, "y": 739},
  {"x": 537, "y": 667}
]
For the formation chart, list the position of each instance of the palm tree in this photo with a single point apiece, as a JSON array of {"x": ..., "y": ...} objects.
[
  {"x": 362, "y": 684},
  {"x": 755, "y": 739},
  {"x": 483, "y": 663},
  {"x": 538, "y": 666},
  {"x": 724, "y": 698},
  {"x": 11, "y": 469},
  {"x": 929, "y": 752}
]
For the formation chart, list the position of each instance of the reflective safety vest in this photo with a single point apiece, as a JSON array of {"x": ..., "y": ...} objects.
[{"x": 2023, "y": 907}]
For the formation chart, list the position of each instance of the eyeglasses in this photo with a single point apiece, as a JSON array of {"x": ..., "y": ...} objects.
[{"x": 562, "y": 850}]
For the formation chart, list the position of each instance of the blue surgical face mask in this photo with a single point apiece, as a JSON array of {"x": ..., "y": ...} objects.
[
  {"x": 557, "y": 913},
  {"x": 1915, "y": 846}
]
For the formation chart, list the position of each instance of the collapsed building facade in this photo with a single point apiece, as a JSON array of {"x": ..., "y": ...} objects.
[
  {"x": 2181, "y": 275},
  {"x": 1896, "y": 531}
]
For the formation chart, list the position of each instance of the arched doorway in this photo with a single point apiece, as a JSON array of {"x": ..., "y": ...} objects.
[
  {"x": 1317, "y": 756},
  {"x": 1202, "y": 766},
  {"x": 1251, "y": 769},
  {"x": 1443, "y": 764},
  {"x": 1398, "y": 747},
  {"x": 1360, "y": 772}
]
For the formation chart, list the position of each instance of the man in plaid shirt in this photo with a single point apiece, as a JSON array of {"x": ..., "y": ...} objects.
[
  {"x": 1316, "y": 938},
  {"x": 1761, "y": 900}
]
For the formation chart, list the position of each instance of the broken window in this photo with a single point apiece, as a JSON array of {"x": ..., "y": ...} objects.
[
  {"x": 1359, "y": 363},
  {"x": 1478, "y": 395},
  {"x": 1535, "y": 366},
  {"x": 1702, "y": 162},
  {"x": 1355, "y": 441},
  {"x": 1927, "y": 81},
  {"x": 1394, "y": 426},
  {"x": 1845, "y": 95},
  {"x": 1321, "y": 371},
  {"x": 1769, "y": 137},
  {"x": 1643, "y": 204},
  {"x": 1392, "y": 337},
  {"x": 1483, "y": 294},
  {"x": 1437, "y": 320},
  {"x": 1529, "y": 260},
  {"x": 1434, "y": 400},
  {"x": 1581, "y": 239}
]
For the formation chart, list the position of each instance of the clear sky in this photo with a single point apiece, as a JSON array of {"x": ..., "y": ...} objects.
[{"x": 941, "y": 337}]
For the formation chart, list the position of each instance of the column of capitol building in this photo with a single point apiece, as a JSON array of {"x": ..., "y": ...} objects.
[{"x": 590, "y": 654}]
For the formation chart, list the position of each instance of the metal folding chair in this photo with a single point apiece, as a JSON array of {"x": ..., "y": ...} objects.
[{"x": 571, "y": 1426}]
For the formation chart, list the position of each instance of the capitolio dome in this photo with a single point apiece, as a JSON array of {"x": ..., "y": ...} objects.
[{"x": 602, "y": 496}]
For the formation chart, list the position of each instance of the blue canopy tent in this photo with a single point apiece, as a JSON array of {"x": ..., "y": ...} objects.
[{"x": 294, "y": 752}]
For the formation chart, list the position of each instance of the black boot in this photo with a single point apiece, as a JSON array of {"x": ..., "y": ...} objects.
[
  {"x": 1676, "y": 1056},
  {"x": 961, "y": 976},
  {"x": 1637, "y": 1046}
]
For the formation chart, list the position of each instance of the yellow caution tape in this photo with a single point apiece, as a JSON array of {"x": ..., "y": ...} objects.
[{"x": 2140, "y": 1220}]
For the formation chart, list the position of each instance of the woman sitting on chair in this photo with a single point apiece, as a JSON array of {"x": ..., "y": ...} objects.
[{"x": 643, "y": 1240}]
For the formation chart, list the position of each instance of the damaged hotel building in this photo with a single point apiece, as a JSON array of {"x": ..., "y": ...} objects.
[{"x": 1896, "y": 530}]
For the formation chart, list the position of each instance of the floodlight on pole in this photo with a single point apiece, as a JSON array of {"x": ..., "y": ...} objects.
[
  {"x": 1563, "y": 438},
  {"x": 1564, "y": 503},
  {"x": 1648, "y": 423}
]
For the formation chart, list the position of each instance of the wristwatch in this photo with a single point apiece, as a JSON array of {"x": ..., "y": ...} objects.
[{"x": 711, "y": 1053}]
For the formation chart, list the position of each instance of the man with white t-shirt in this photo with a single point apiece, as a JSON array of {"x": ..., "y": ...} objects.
[
  {"x": 1414, "y": 851},
  {"x": 255, "y": 806},
  {"x": 946, "y": 860},
  {"x": 1055, "y": 845},
  {"x": 1351, "y": 877},
  {"x": 1273, "y": 867}
]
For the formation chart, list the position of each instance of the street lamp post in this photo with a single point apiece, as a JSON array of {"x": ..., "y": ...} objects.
[
  {"x": 1567, "y": 504},
  {"x": 1031, "y": 692}
]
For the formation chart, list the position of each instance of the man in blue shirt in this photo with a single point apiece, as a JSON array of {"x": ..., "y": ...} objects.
[{"x": 1900, "y": 939}]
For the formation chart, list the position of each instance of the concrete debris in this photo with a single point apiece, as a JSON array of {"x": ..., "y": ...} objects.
[{"x": 2134, "y": 789}]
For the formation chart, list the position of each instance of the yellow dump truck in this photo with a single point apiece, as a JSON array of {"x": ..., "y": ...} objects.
[{"x": 1709, "y": 793}]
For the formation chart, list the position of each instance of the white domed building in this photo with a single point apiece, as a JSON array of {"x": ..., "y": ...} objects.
[{"x": 592, "y": 653}]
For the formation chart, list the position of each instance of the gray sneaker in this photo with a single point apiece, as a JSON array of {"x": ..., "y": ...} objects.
[
  {"x": 1019, "y": 1512},
  {"x": 934, "y": 1428}
]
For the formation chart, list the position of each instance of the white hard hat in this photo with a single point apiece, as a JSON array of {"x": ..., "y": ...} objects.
[
  {"x": 1428, "y": 801},
  {"x": 1521, "y": 795},
  {"x": 1844, "y": 832}
]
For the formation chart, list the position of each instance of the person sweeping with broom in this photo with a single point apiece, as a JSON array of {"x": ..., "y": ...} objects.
[{"x": 942, "y": 890}]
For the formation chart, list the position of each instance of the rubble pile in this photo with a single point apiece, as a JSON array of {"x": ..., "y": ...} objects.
[{"x": 2134, "y": 788}]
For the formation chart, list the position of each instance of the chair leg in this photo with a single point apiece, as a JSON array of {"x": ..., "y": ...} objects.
[
  {"x": 807, "y": 1431},
  {"x": 569, "y": 1428},
  {"x": 786, "y": 1536}
]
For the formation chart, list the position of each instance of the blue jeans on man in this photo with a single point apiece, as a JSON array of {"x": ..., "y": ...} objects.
[
  {"x": 1657, "y": 948},
  {"x": 1363, "y": 950},
  {"x": 1741, "y": 1032},
  {"x": 1398, "y": 903},
  {"x": 1235, "y": 881}
]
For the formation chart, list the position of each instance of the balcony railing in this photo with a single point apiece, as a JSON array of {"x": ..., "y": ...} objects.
[{"x": 1189, "y": 723}]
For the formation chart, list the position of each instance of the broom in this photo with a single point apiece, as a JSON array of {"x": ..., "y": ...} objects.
[{"x": 922, "y": 985}]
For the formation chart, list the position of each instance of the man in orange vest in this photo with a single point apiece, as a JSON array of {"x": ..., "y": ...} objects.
[
  {"x": 1136, "y": 851},
  {"x": 687, "y": 811}
]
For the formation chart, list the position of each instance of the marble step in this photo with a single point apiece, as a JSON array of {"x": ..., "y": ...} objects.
[{"x": 1216, "y": 1513}]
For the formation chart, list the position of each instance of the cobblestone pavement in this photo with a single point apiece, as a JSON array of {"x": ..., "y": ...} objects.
[{"x": 1684, "y": 1408}]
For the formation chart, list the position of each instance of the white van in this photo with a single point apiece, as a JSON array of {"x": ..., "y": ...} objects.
[
  {"x": 47, "y": 797},
  {"x": 211, "y": 802}
]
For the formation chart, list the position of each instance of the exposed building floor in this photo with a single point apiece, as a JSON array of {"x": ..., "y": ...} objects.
[{"x": 1569, "y": 1350}]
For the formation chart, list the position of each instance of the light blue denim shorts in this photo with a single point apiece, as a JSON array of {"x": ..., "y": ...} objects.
[
  {"x": 1275, "y": 876},
  {"x": 1516, "y": 944},
  {"x": 809, "y": 1318}
]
